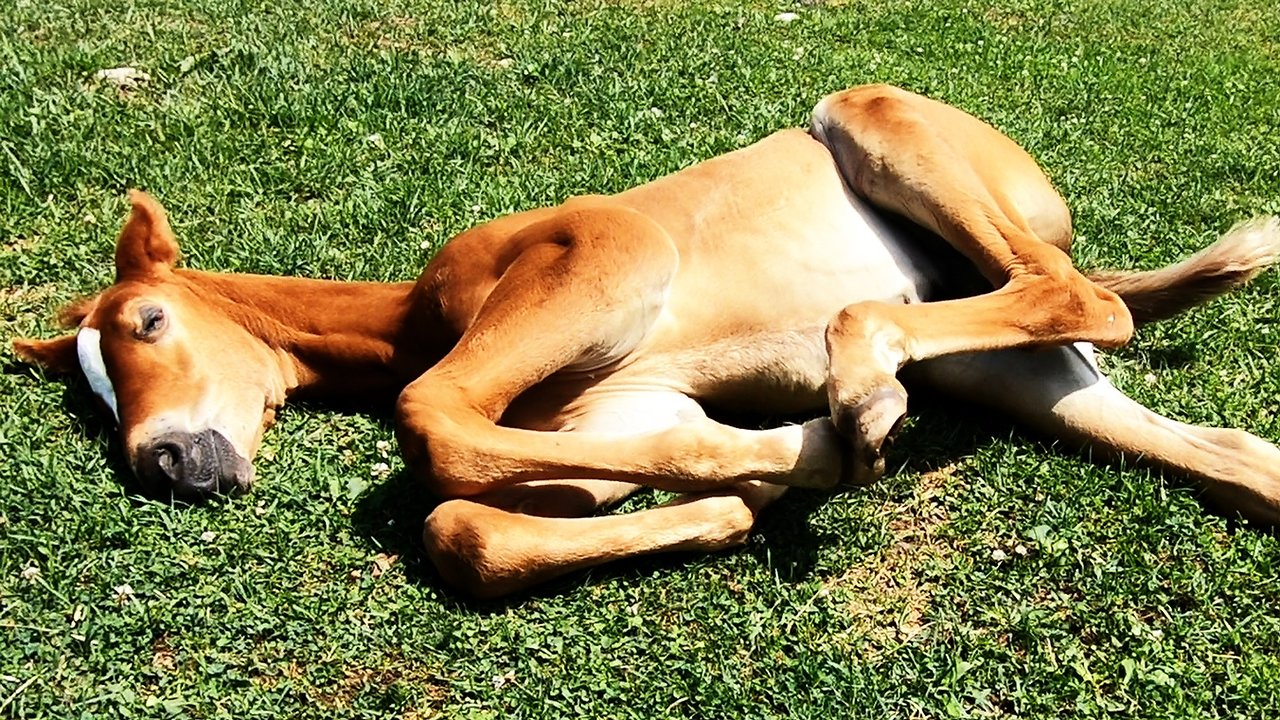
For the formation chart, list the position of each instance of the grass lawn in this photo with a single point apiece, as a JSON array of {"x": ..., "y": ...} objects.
[{"x": 991, "y": 576}]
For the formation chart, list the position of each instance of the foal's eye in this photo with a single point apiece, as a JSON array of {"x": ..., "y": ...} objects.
[{"x": 152, "y": 322}]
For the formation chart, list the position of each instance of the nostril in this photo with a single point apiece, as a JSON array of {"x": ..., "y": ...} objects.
[{"x": 168, "y": 458}]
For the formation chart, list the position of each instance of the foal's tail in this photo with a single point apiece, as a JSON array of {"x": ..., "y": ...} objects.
[{"x": 1236, "y": 258}]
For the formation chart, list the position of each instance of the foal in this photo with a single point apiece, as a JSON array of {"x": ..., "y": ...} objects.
[{"x": 552, "y": 362}]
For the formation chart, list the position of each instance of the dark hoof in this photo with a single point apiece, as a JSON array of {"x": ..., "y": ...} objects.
[{"x": 870, "y": 427}]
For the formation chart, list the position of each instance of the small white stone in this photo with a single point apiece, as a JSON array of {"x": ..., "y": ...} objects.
[
  {"x": 786, "y": 17},
  {"x": 380, "y": 470},
  {"x": 124, "y": 593},
  {"x": 31, "y": 573},
  {"x": 125, "y": 78},
  {"x": 208, "y": 536},
  {"x": 1150, "y": 378},
  {"x": 999, "y": 555},
  {"x": 1020, "y": 549}
]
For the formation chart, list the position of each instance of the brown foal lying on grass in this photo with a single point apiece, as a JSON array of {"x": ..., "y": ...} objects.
[{"x": 553, "y": 362}]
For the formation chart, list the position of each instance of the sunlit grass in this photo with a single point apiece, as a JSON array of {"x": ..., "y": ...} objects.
[{"x": 349, "y": 139}]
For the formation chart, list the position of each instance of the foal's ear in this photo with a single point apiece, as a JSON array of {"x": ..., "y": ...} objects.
[
  {"x": 146, "y": 247},
  {"x": 57, "y": 356}
]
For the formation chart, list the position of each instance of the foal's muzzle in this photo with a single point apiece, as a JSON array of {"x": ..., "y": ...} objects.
[{"x": 191, "y": 466}]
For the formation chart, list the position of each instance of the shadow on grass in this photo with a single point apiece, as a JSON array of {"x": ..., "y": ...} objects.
[
  {"x": 1169, "y": 357},
  {"x": 785, "y": 539},
  {"x": 390, "y": 515},
  {"x": 937, "y": 435},
  {"x": 96, "y": 425}
]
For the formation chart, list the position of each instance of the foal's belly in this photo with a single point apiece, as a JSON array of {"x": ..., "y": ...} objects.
[
  {"x": 770, "y": 371},
  {"x": 758, "y": 342},
  {"x": 752, "y": 342}
]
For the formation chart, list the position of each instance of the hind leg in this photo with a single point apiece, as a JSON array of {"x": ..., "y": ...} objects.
[
  {"x": 962, "y": 179},
  {"x": 1060, "y": 392}
]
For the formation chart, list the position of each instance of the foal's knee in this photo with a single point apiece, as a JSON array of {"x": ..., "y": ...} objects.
[
  {"x": 862, "y": 334},
  {"x": 438, "y": 439},
  {"x": 1090, "y": 313}
]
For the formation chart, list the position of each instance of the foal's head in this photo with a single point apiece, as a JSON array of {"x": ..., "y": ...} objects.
[{"x": 190, "y": 387}]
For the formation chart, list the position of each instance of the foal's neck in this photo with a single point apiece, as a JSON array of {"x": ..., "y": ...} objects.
[{"x": 342, "y": 340}]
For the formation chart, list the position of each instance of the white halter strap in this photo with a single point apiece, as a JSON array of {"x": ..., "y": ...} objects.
[{"x": 89, "y": 349}]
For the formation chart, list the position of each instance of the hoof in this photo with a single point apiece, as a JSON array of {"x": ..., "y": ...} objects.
[{"x": 870, "y": 426}]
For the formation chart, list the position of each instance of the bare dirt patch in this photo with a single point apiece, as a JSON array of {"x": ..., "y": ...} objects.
[
  {"x": 163, "y": 658},
  {"x": 888, "y": 595},
  {"x": 424, "y": 689}
]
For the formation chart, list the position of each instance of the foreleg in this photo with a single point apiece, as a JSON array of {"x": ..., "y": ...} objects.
[
  {"x": 487, "y": 552},
  {"x": 584, "y": 293}
]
